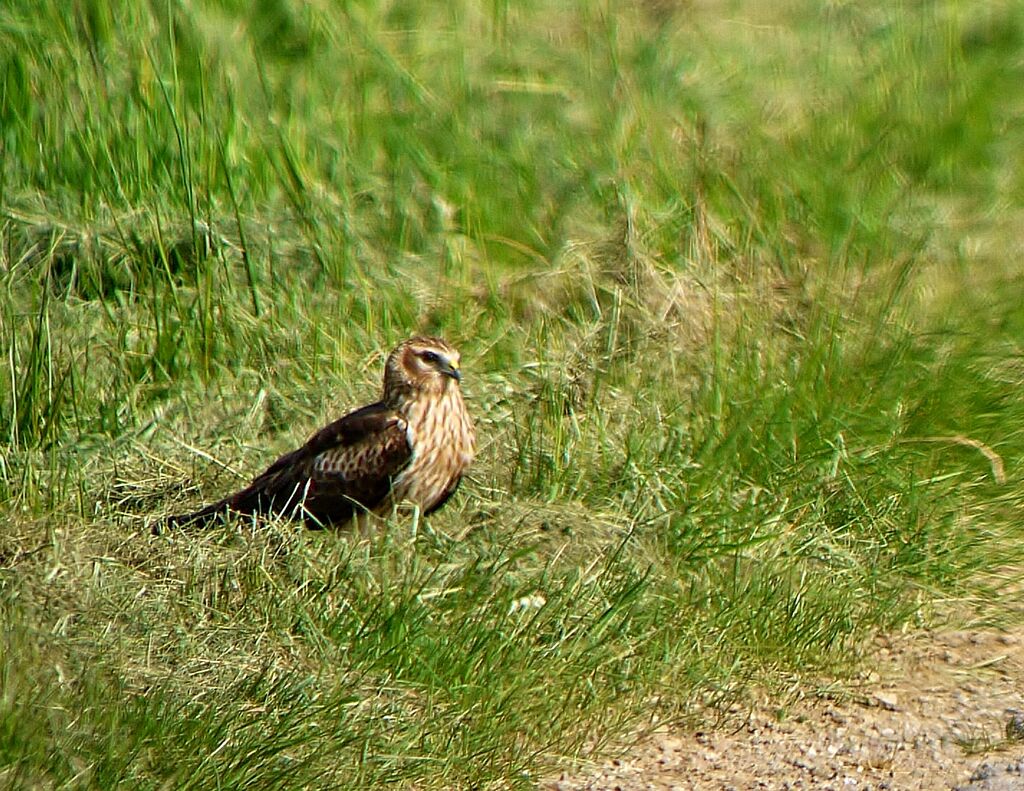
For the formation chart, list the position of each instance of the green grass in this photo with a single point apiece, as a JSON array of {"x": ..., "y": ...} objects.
[{"x": 736, "y": 289}]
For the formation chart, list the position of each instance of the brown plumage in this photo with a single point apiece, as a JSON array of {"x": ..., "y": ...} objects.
[{"x": 412, "y": 446}]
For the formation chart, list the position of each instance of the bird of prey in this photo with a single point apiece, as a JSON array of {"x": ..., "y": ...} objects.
[{"x": 412, "y": 446}]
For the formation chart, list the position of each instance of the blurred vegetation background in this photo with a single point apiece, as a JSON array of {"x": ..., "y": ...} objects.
[{"x": 737, "y": 286}]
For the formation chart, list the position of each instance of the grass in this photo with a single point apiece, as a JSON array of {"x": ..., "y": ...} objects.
[{"x": 735, "y": 290}]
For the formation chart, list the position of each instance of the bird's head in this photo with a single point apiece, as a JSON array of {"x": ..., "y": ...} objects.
[{"x": 421, "y": 364}]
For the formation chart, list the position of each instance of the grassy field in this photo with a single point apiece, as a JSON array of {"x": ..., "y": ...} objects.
[{"x": 738, "y": 290}]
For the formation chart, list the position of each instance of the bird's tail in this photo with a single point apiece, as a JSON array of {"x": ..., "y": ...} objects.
[
  {"x": 204, "y": 517},
  {"x": 251, "y": 500}
]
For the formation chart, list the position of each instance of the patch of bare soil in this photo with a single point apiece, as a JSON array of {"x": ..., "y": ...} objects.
[{"x": 936, "y": 711}]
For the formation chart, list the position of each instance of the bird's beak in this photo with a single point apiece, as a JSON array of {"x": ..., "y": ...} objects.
[{"x": 452, "y": 371}]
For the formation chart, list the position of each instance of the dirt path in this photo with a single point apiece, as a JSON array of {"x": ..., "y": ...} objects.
[{"x": 932, "y": 715}]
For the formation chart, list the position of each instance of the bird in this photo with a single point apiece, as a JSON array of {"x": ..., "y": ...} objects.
[{"x": 412, "y": 446}]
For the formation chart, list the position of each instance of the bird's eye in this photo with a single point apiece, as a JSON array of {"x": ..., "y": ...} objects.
[{"x": 431, "y": 357}]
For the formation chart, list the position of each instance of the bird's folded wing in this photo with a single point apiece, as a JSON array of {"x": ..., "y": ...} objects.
[{"x": 346, "y": 466}]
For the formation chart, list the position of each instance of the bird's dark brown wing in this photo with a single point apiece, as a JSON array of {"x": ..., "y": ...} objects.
[{"x": 344, "y": 468}]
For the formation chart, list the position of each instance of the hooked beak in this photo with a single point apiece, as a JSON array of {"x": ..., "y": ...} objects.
[{"x": 452, "y": 371}]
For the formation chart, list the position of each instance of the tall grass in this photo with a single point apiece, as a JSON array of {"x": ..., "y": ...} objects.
[{"x": 734, "y": 287}]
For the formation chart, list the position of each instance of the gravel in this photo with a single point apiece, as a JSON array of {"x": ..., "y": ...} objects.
[
  {"x": 996, "y": 777},
  {"x": 936, "y": 711}
]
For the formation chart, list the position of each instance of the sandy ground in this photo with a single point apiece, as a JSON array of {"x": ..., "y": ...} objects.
[{"x": 932, "y": 714}]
